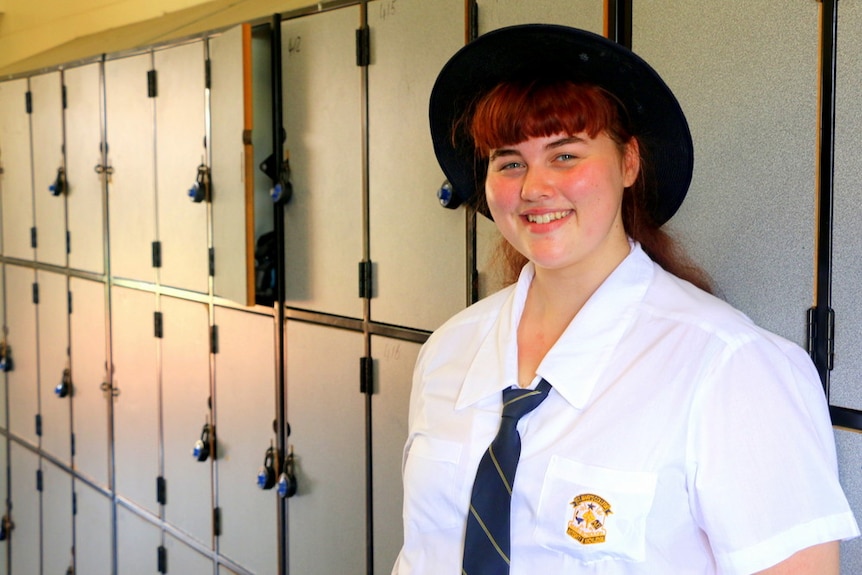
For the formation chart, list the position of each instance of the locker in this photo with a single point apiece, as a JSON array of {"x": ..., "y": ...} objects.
[
  {"x": 94, "y": 537},
  {"x": 322, "y": 111},
  {"x": 22, "y": 381},
  {"x": 4, "y": 424},
  {"x": 90, "y": 402},
  {"x": 750, "y": 226},
  {"x": 25, "y": 503},
  {"x": 417, "y": 247},
  {"x": 245, "y": 411},
  {"x": 53, "y": 364},
  {"x": 16, "y": 181},
  {"x": 327, "y": 514},
  {"x": 183, "y": 559},
  {"x": 57, "y": 553},
  {"x": 138, "y": 543},
  {"x": 47, "y": 133},
  {"x": 130, "y": 120},
  {"x": 585, "y": 14},
  {"x": 185, "y": 410},
  {"x": 394, "y": 360},
  {"x": 84, "y": 199},
  {"x": 136, "y": 406},
  {"x": 180, "y": 151},
  {"x": 241, "y": 134}
]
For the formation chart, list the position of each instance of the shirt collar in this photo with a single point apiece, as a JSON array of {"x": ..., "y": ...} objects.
[{"x": 577, "y": 360}]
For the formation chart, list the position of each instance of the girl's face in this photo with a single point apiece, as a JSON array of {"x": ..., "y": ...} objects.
[{"x": 558, "y": 199}]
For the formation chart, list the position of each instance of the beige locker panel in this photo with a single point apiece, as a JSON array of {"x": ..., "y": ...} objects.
[
  {"x": 57, "y": 553},
  {"x": 322, "y": 109},
  {"x": 89, "y": 401},
  {"x": 16, "y": 181},
  {"x": 46, "y": 123},
  {"x": 136, "y": 407},
  {"x": 25, "y": 504},
  {"x": 84, "y": 199},
  {"x": 180, "y": 149},
  {"x": 183, "y": 559},
  {"x": 239, "y": 71},
  {"x": 584, "y": 14},
  {"x": 186, "y": 392},
  {"x": 93, "y": 532},
  {"x": 749, "y": 214},
  {"x": 418, "y": 248},
  {"x": 53, "y": 361},
  {"x": 326, "y": 412},
  {"x": 245, "y": 410},
  {"x": 22, "y": 381},
  {"x": 389, "y": 406},
  {"x": 138, "y": 542},
  {"x": 131, "y": 190}
]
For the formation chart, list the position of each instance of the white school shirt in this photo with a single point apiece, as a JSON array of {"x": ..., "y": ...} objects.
[{"x": 678, "y": 438}]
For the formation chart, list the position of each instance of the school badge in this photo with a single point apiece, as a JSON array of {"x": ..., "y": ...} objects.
[{"x": 588, "y": 519}]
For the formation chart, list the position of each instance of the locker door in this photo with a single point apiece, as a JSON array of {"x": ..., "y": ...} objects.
[
  {"x": 47, "y": 129},
  {"x": 185, "y": 410},
  {"x": 57, "y": 553},
  {"x": 183, "y": 559},
  {"x": 847, "y": 269},
  {"x": 748, "y": 218},
  {"x": 326, "y": 412},
  {"x": 25, "y": 503},
  {"x": 322, "y": 114},
  {"x": 21, "y": 340},
  {"x": 180, "y": 149},
  {"x": 4, "y": 492},
  {"x": 585, "y": 14},
  {"x": 53, "y": 362},
  {"x": 136, "y": 408},
  {"x": 93, "y": 533},
  {"x": 130, "y": 121},
  {"x": 89, "y": 400},
  {"x": 138, "y": 542},
  {"x": 390, "y": 402},
  {"x": 16, "y": 181},
  {"x": 84, "y": 201},
  {"x": 418, "y": 248},
  {"x": 245, "y": 410}
]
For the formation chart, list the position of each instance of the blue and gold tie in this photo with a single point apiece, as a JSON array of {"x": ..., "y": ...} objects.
[{"x": 487, "y": 543}]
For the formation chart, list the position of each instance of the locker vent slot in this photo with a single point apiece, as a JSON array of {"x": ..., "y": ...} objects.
[
  {"x": 157, "y": 254},
  {"x": 152, "y": 84},
  {"x": 363, "y": 46},
  {"x": 158, "y": 324},
  {"x": 163, "y": 559},
  {"x": 161, "y": 490}
]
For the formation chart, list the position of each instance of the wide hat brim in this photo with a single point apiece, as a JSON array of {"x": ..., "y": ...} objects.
[{"x": 518, "y": 52}]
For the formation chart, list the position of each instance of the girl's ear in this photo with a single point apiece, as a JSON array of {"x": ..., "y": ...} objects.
[{"x": 631, "y": 162}]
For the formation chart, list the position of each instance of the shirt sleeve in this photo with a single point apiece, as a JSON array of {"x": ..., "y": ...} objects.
[{"x": 764, "y": 480}]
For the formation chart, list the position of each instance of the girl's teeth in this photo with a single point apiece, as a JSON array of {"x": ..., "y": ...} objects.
[{"x": 546, "y": 218}]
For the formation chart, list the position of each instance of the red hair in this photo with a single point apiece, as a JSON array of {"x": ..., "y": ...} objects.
[{"x": 516, "y": 111}]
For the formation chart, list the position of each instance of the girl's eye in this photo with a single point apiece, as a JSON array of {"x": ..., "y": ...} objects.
[{"x": 566, "y": 157}]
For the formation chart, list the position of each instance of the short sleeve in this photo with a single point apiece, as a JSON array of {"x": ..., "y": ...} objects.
[{"x": 764, "y": 480}]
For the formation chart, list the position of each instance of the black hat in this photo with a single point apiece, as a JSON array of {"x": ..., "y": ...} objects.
[{"x": 519, "y": 52}]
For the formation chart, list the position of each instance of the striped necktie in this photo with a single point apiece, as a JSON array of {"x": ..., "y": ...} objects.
[{"x": 487, "y": 544}]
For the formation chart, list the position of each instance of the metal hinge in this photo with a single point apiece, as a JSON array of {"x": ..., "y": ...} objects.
[
  {"x": 217, "y": 521},
  {"x": 212, "y": 261},
  {"x": 157, "y": 254},
  {"x": 28, "y": 102},
  {"x": 38, "y": 425},
  {"x": 152, "y": 84},
  {"x": 821, "y": 337},
  {"x": 39, "y": 480},
  {"x": 36, "y": 293},
  {"x": 365, "y": 279},
  {"x": 163, "y": 559},
  {"x": 366, "y": 375},
  {"x": 214, "y": 339},
  {"x": 208, "y": 74},
  {"x": 68, "y": 243},
  {"x": 158, "y": 324},
  {"x": 74, "y": 503},
  {"x": 161, "y": 490},
  {"x": 69, "y": 294},
  {"x": 33, "y": 238},
  {"x": 363, "y": 46},
  {"x": 65, "y": 101},
  {"x": 72, "y": 444}
]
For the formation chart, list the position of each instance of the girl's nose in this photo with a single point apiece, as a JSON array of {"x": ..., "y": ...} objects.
[{"x": 536, "y": 185}]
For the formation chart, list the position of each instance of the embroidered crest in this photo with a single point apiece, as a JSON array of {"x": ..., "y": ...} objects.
[{"x": 588, "y": 519}]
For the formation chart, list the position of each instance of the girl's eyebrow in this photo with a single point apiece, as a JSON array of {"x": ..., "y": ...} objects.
[
  {"x": 502, "y": 152},
  {"x": 550, "y": 146}
]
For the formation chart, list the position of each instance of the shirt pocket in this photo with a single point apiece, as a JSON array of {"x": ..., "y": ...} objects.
[
  {"x": 592, "y": 513},
  {"x": 430, "y": 501}
]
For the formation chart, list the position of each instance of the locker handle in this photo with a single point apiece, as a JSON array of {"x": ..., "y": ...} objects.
[
  {"x": 200, "y": 190},
  {"x": 64, "y": 388},
  {"x": 287, "y": 484},
  {"x": 59, "y": 185}
]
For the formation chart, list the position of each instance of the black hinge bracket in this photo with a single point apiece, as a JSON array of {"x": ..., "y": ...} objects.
[
  {"x": 366, "y": 375},
  {"x": 65, "y": 101},
  {"x": 821, "y": 338},
  {"x": 69, "y": 299},
  {"x": 38, "y": 425},
  {"x": 365, "y": 279},
  {"x": 68, "y": 243},
  {"x": 212, "y": 261},
  {"x": 74, "y": 503},
  {"x": 163, "y": 559},
  {"x": 72, "y": 444},
  {"x": 28, "y": 102},
  {"x": 214, "y": 339},
  {"x": 363, "y": 46},
  {"x": 157, "y": 254},
  {"x": 152, "y": 84},
  {"x": 158, "y": 324},
  {"x": 39, "y": 480},
  {"x": 33, "y": 238},
  {"x": 36, "y": 293},
  {"x": 161, "y": 490},
  {"x": 208, "y": 74},
  {"x": 217, "y": 521}
]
